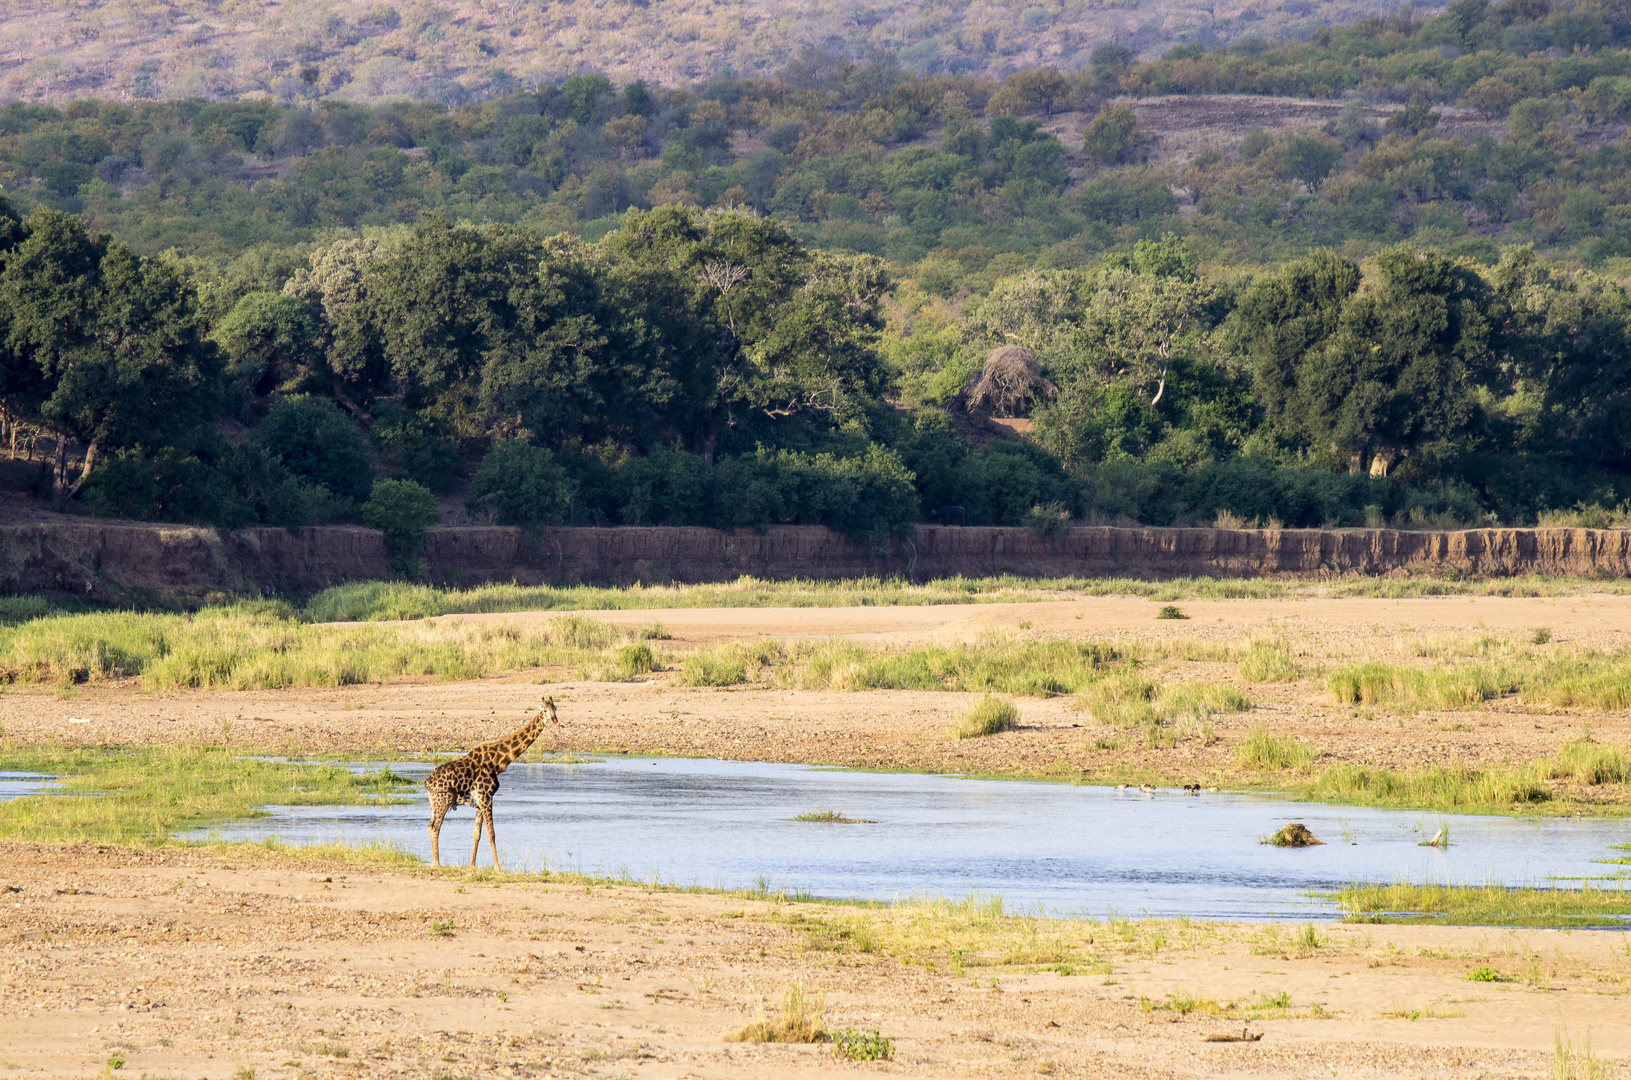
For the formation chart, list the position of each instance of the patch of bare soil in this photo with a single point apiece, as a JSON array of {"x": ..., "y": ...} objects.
[
  {"x": 908, "y": 729},
  {"x": 178, "y": 962}
]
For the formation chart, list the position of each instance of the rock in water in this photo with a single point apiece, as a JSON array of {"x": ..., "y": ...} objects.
[{"x": 1295, "y": 834}]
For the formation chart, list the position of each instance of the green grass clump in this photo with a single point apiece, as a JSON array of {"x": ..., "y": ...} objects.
[
  {"x": 144, "y": 796},
  {"x": 1463, "y": 790},
  {"x": 1264, "y": 751},
  {"x": 1485, "y": 905},
  {"x": 1267, "y": 662},
  {"x": 1127, "y": 699},
  {"x": 1587, "y": 680},
  {"x": 632, "y": 661},
  {"x": 1411, "y": 688},
  {"x": 1584, "y": 761},
  {"x": 993, "y": 665},
  {"x": 989, "y": 716}
]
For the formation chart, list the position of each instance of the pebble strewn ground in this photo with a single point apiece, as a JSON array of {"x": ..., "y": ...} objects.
[{"x": 188, "y": 964}]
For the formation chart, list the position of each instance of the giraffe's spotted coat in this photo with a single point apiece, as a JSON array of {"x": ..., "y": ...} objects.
[{"x": 473, "y": 781}]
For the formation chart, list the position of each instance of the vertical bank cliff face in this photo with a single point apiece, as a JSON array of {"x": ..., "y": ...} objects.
[{"x": 106, "y": 561}]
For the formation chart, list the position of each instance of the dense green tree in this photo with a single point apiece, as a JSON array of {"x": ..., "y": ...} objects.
[
  {"x": 317, "y": 443},
  {"x": 1400, "y": 370},
  {"x": 104, "y": 348},
  {"x": 271, "y": 341}
]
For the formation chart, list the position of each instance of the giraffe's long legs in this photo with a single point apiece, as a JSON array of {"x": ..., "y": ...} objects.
[
  {"x": 492, "y": 841},
  {"x": 439, "y": 806},
  {"x": 475, "y": 839}
]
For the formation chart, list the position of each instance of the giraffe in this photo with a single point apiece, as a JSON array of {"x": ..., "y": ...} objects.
[{"x": 473, "y": 781}]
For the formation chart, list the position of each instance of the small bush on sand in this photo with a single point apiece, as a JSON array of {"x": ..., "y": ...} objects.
[
  {"x": 862, "y": 1045},
  {"x": 989, "y": 716}
]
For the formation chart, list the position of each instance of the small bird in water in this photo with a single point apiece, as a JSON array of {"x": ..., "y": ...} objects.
[
  {"x": 1121, "y": 787},
  {"x": 1147, "y": 789}
]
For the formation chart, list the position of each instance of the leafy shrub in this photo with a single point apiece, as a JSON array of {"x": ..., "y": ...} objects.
[
  {"x": 862, "y": 1045},
  {"x": 316, "y": 442},
  {"x": 1050, "y": 520},
  {"x": 865, "y": 496},
  {"x": 402, "y": 510},
  {"x": 169, "y": 485},
  {"x": 521, "y": 484},
  {"x": 1113, "y": 135},
  {"x": 424, "y": 451}
]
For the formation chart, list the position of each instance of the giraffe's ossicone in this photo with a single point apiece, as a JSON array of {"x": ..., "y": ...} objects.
[{"x": 473, "y": 781}]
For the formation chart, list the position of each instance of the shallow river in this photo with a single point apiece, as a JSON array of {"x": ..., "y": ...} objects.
[{"x": 1072, "y": 850}]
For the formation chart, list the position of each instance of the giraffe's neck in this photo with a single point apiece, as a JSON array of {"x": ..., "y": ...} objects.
[{"x": 500, "y": 753}]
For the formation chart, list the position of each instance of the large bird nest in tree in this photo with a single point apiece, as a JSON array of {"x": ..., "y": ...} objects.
[{"x": 1008, "y": 383}]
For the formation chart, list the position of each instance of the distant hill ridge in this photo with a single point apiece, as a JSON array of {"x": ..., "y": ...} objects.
[{"x": 464, "y": 50}]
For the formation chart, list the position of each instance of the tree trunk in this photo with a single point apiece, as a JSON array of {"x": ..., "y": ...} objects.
[{"x": 61, "y": 490}]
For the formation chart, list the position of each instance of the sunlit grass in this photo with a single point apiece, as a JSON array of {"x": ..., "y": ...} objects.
[
  {"x": 989, "y": 716},
  {"x": 1593, "y": 904},
  {"x": 1165, "y": 714},
  {"x": 1262, "y": 750},
  {"x": 1587, "y": 679},
  {"x": 146, "y": 795},
  {"x": 259, "y": 647},
  {"x": 995, "y": 664}
]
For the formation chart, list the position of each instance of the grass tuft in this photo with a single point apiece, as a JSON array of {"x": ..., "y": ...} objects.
[
  {"x": 989, "y": 716},
  {"x": 1574, "y": 1061},
  {"x": 829, "y": 815},
  {"x": 797, "y": 1021},
  {"x": 1262, "y": 751},
  {"x": 1164, "y": 714},
  {"x": 1268, "y": 661}
]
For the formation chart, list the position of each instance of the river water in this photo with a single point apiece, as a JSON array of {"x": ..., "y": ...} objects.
[{"x": 1063, "y": 849}]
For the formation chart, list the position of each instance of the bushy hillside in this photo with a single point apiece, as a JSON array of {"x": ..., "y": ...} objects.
[
  {"x": 462, "y": 50},
  {"x": 1365, "y": 135}
]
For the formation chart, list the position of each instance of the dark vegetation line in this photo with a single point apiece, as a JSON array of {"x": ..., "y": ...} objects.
[{"x": 906, "y": 296}]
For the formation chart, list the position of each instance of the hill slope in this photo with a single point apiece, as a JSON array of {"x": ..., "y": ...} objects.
[{"x": 463, "y": 49}]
